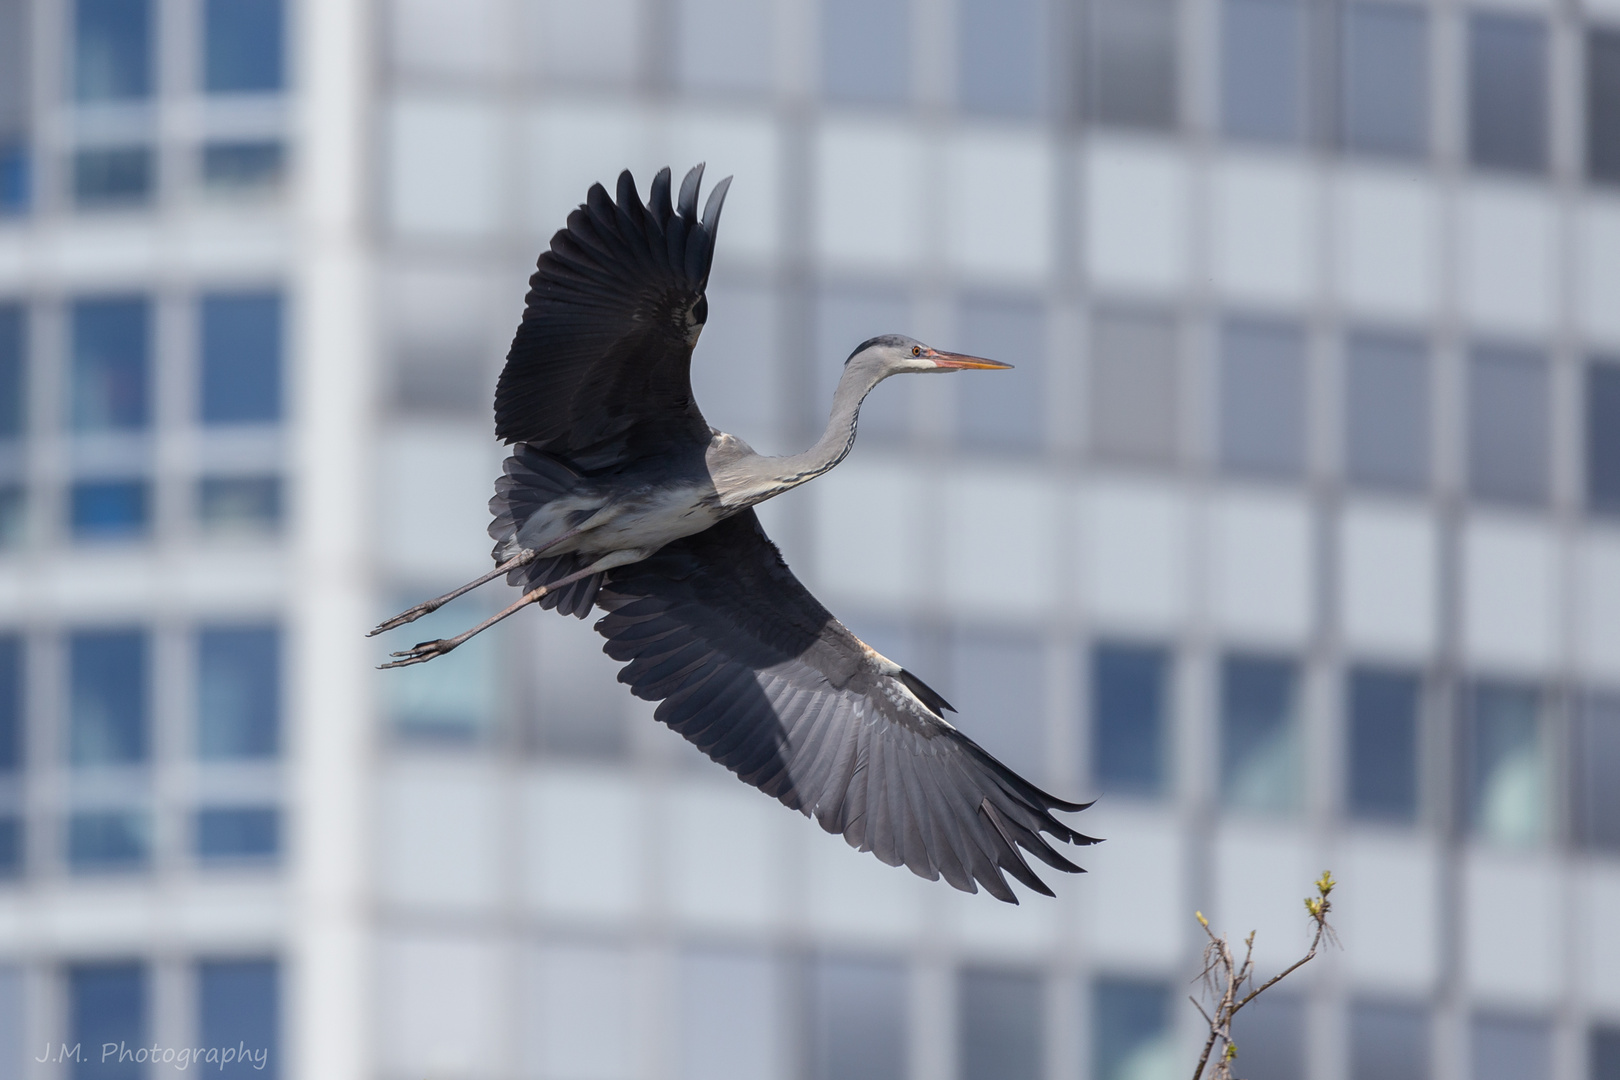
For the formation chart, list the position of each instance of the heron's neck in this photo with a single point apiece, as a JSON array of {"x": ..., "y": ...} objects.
[{"x": 834, "y": 444}]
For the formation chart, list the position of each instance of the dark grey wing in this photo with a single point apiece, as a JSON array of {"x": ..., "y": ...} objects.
[
  {"x": 751, "y": 669},
  {"x": 599, "y": 371}
]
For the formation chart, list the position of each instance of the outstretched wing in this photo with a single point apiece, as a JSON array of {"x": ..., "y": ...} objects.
[
  {"x": 751, "y": 669},
  {"x": 599, "y": 372}
]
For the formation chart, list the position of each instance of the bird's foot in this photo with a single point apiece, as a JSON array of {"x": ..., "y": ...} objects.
[
  {"x": 421, "y": 652},
  {"x": 409, "y": 615}
]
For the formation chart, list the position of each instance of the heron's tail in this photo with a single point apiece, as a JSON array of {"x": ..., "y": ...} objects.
[{"x": 531, "y": 480}]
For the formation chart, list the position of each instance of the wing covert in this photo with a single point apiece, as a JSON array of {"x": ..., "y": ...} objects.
[{"x": 751, "y": 669}]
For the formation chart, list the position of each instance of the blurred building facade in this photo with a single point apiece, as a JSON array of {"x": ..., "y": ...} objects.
[{"x": 1295, "y": 535}]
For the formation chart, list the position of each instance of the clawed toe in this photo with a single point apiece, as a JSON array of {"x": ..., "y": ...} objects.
[
  {"x": 420, "y": 653},
  {"x": 404, "y": 617}
]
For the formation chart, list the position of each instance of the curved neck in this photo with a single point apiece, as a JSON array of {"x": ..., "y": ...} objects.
[{"x": 791, "y": 470}]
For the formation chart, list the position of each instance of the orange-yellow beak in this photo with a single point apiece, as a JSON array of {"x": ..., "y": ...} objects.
[{"x": 958, "y": 360}]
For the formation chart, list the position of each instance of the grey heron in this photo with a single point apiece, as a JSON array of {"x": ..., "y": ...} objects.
[{"x": 619, "y": 495}]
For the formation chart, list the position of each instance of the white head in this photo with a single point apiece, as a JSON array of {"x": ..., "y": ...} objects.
[{"x": 895, "y": 354}]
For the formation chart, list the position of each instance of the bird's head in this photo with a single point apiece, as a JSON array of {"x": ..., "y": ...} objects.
[{"x": 895, "y": 354}]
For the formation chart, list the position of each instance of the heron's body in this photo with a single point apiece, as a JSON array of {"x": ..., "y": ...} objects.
[{"x": 619, "y": 496}]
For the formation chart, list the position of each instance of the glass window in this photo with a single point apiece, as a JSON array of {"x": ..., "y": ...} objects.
[
  {"x": 1001, "y": 51},
  {"x": 1003, "y": 411},
  {"x": 1507, "y": 764},
  {"x": 1131, "y": 1031},
  {"x": 239, "y": 504},
  {"x": 239, "y": 1005},
  {"x": 109, "y": 509},
  {"x": 107, "y": 1004},
  {"x": 1129, "y": 714},
  {"x": 858, "y": 1019},
  {"x": 1385, "y": 100},
  {"x": 108, "y": 717},
  {"x": 13, "y": 387},
  {"x": 238, "y": 692},
  {"x": 1131, "y": 49},
  {"x": 241, "y": 358},
  {"x": 1270, "y": 1038},
  {"x": 1134, "y": 388},
  {"x": 998, "y": 685},
  {"x": 12, "y": 848},
  {"x": 866, "y": 52},
  {"x": 1386, "y": 410},
  {"x": 1510, "y": 1047},
  {"x": 242, "y": 45},
  {"x": 724, "y": 44},
  {"x": 1507, "y": 91},
  {"x": 1262, "y": 398},
  {"x": 1260, "y": 750},
  {"x": 1603, "y": 1052},
  {"x": 1603, "y": 104},
  {"x": 102, "y": 840},
  {"x": 1383, "y": 728},
  {"x": 16, "y": 75},
  {"x": 11, "y": 703},
  {"x": 111, "y": 364},
  {"x": 238, "y": 165},
  {"x": 1594, "y": 765},
  {"x": 13, "y": 515},
  {"x": 1263, "y": 69},
  {"x": 1603, "y": 436},
  {"x": 1388, "y": 1041},
  {"x": 15, "y": 178},
  {"x": 1508, "y": 416},
  {"x": 112, "y": 49},
  {"x": 731, "y": 1016},
  {"x": 999, "y": 1025},
  {"x": 845, "y": 317},
  {"x": 238, "y": 832},
  {"x": 113, "y": 177},
  {"x": 579, "y": 704}
]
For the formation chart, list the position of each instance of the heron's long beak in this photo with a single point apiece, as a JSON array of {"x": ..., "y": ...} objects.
[{"x": 959, "y": 360}]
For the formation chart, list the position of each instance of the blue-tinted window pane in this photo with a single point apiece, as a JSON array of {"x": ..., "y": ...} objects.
[
  {"x": 999, "y": 1016},
  {"x": 11, "y": 703},
  {"x": 1262, "y": 398},
  {"x": 1131, "y": 1031},
  {"x": 1507, "y": 92},
  {"x": 1383, "y": 727},
  {"x": 238, "y": 832},
  {"x": 1263, "y": 69},
  {"x": 866, "y": 52},
  {"x": 1510, "y": 1048},
  {"x": 109, "y": 840},
  {"x": 238, "y": 692},
  {"x": 239, "y": 504},
  {"x": 113, "y": 177},
  {"x": 1387, "y": 410},
  {"x": 1388, "y": 1041},
  {"x": 1603, "y": 436},
  {"x": 109, "y": 510},
  {"x": 1594, "y": 765},
  {"x": 112, "y": 49},
  {"x": 242, "y": 45},
  {"x": 107, "y": 1004},
  {"x": 1507, "y": 792},
  {"x": 858, "y": 1020},
  {"x": 1001, "y": 45},
  {"x": 1260, "y": 752},
  {"x": 1603, "y": 104},
  {"x": 241, "y": 358},
  {"x": 13, "y": 387},
  {"x": 108, "y": 697},
  {"x": 1509, "y": 416},
  {"x": 111, "y": 364},
  {"x": 11, "y": 845},
  {"x": 243, "y": 165},
  {"x": 998, "y": 685},
  {"x": 1131, "y": 69},
  {"x": 16, "y": 179},
  {"x": 1006, "y": 409},
  {"x": 13, "y": 515},
  {"x": 239, "y": 1006},
  {"x": 1386, "y": 79},
  {"x": 1270, "y": 1038},
  {"x": 1603, "y": 1052},
  {"x": 458, "y": 702},
  {"x": 1129, "y": 699}
]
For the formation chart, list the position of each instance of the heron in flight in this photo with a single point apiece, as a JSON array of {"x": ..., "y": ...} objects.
[{"x": 619, "y": 495}]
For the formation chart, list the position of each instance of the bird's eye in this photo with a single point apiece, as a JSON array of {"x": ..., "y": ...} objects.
[{"x": 916, "y": 350}]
